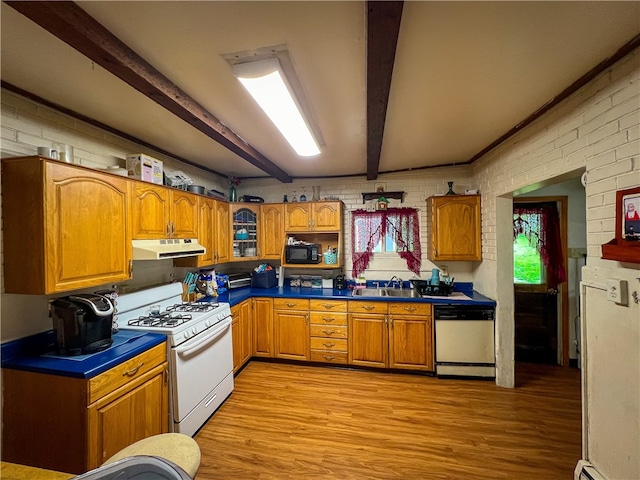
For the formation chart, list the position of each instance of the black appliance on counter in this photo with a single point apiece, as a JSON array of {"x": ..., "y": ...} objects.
[
  {"x": 340, "y": 282},
  {"x": 82, "y": 323},
  {"x": 303, "y": 253}
]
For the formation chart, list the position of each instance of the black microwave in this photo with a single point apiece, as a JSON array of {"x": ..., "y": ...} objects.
[{"x": 303, "y": 254}]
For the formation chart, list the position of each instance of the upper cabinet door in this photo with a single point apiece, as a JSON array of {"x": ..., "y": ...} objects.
[
  {"x": 184, "y": 214},
  {"x": 455, "y": 228},
  {"x": 88, "y": 238},
  {"x": 206, "y": 230},
  {"x": 222, "y": 232},
  {"x": 313, "y": 217},
  {"x": 271, "y": 231},
  {"x": 297, "y": 217},
  {"x": 150, "y": 210},
  {"x": 327, "y": 216}
]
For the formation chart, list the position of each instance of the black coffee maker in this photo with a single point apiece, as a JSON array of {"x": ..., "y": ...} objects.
[
  {"x": 340, "y": 282},
  {"x": 82, "y": 323}
]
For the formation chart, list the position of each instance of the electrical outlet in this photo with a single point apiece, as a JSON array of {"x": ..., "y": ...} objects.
[
  {"x": 617, "y": 291},
  {"x": 445, "y": 270}
]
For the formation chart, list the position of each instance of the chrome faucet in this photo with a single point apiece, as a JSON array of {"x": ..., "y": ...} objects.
[{"x": 398, "y": 279}]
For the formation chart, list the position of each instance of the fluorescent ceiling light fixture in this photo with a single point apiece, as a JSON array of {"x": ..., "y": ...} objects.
[{"x": 266, "y": 82}]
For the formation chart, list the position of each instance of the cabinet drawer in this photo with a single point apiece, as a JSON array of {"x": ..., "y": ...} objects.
[
  {"x": 290, "y": 304},
  {"x": 329, "y": 357},
  {"x": 328, "y": 318},
  {"x": 404, "y": 308},
  {"x": 367, "y": 307},
  {"x": 328, "y": 305},
  {"x": 118, "y": 376},
  {"x": 332, "y": 344},
  {"x": 328, "y": 331}
]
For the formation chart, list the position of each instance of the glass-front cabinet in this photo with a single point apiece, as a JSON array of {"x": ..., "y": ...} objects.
[{"x": 244, "y": 226}]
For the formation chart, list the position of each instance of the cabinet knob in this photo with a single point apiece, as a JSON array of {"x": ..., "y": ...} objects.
[
  {"x": 368, "y": 307},
  {"x": 328, "y": 305},
  {"x": 329, "y": 344},
  {"x": 328, "y": 357},
  {"x": 410, "y": 309},
  {"x": 328, "y": 332},
  {"x": 291, "y": 305},
  {"x": 328, "y": 319}
]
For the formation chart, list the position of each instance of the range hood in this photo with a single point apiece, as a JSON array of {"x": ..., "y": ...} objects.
[{"x": 166, "y": 248}]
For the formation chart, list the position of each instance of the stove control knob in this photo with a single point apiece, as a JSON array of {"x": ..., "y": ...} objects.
[
  {"x": 208, "y": 323},
  {"x": 194, "y": 330},
  {"x": 186, "y": 335}
]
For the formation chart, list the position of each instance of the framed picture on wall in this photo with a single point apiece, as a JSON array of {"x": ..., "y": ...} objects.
[{"x": 628, "y": 205}]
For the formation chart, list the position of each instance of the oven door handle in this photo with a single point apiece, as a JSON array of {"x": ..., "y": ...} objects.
[{"x": 208, "y": 338}]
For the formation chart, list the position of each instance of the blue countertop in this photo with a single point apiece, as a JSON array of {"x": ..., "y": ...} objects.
[
  {"x": 236, "y": 296},
  {"x": 35, "y": 354}
]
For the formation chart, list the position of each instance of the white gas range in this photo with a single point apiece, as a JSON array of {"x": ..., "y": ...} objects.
[{"x": 200, "y": 351}]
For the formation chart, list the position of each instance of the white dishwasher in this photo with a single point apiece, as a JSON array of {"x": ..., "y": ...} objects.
[{"x": 465, "y": 340}]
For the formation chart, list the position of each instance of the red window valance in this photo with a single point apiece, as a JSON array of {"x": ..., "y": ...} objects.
[{"x": 368, "y": 229}]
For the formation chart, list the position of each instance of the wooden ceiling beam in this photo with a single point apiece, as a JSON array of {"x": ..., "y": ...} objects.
[
  {"x": 71, "y": 24},
  {"x": 383, "y": 26}
]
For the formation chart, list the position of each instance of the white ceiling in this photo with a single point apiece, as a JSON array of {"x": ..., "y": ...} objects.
[{"x": 465, "y": 73}]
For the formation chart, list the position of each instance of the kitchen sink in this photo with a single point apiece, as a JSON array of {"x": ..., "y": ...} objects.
[
  {"x": 369, "y": 292},
  {"x": 396, "y": 292},
  {"x": 385, "y": 292}
]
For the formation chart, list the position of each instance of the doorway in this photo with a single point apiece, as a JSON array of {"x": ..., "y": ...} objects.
[{"x": 540, "y": 286}]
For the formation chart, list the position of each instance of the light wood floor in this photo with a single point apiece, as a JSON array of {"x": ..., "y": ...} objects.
[{"x": 296, "y": 422}]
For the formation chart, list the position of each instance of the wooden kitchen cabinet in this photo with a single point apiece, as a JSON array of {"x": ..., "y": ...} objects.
[
  {"x": 391, "y": 335},
  {"x": 241, "y": 333},
  {"x": 313, "y": 216},
  {"x": 291, "y": 328},
  {"x": 206, "y": 236},
  {"x": 70, "y": 227},
  {"x": 245, "y": 220},
  {"x": 262, "y": 320},
  {"x": 222, "y": 232},
  {"x": 455, "y": 230},
  {"x": 271, "y": 240},
  {"x": 328, "y": 331},
  {"x": 162, "y": 212},
  {"x": 213, "y": 234},
  {"x": 73, "y": 424},
  {"x": 411, "y": 336},
  {"x": 368, "y": 334}
]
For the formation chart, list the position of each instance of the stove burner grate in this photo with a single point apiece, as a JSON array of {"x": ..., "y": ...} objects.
[
  {"x": 192, "y": 307},
  {"x": 159, "y": 320}
]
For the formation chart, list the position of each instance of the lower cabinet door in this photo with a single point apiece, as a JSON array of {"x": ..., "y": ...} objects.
[
  {"x": 262, "y": 322},
  {"x": 292, "y": 334},
  {"x": 410, "y": 345},
  {"x": 368, "y": 340},
  {"x": 118, "y": 420}
]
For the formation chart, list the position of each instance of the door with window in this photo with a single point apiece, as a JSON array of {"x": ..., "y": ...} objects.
[{"x": 539, "y": 246}]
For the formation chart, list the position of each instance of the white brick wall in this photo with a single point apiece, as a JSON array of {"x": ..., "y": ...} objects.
[
  {"x": 26, "y": 125},
  {"x": 418, "y": 186}
]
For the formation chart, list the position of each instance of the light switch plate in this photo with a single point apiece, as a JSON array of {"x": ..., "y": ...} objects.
[{"x": 617, "y": 291}]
